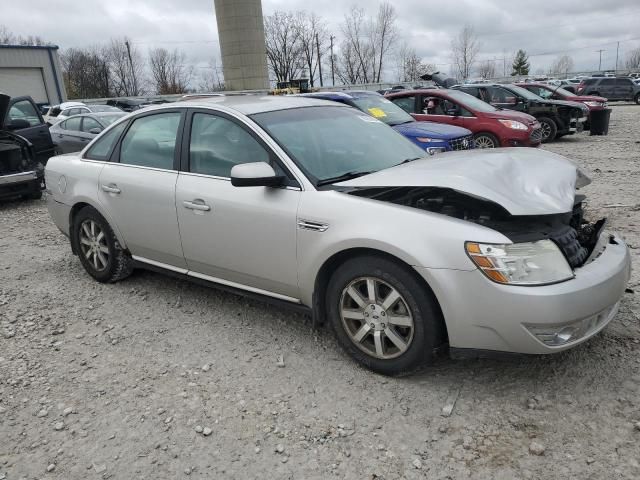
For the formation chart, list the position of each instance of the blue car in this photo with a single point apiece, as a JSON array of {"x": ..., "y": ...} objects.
[{"x": 432, "y": 137}]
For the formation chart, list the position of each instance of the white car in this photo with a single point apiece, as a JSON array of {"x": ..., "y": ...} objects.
[
  {"x": 69, "y": 109},
  {"x": 325, "y": 209}
]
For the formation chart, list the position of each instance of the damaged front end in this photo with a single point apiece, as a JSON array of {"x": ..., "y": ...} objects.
[{"x": 571, "y": 232}]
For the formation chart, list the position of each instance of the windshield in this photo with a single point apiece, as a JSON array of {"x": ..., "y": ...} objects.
[
  {"x": 523, "y": 92},
  {"x": 382, "y": 109},
  {"x": 326, "y": 142},
  {"x": 471, "y": 102},
  {"x": 109, "y": 119}
]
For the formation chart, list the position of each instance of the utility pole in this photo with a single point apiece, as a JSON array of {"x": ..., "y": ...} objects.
[
  {"x": 319, "y": 59},
  {"x": 333, "y": 73},
  {"x": 617, "y": 50},
  {"x": 600, "y": 62},
  {"x": 133, "y": 76}
]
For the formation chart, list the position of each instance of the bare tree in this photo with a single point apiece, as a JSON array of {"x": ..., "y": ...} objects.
[
  {"x": 633, "y": 59},
  {"x": 313, "y": 36},
  {"x": 356, "y": 62},
  {"x": 410, "y": 66},
  {"x": 170, "y": 74},
  {"x": 464, "y": 48},
  {"x": 86, "y": 73},
  {"x": 383, "y": 36},
  {"x": 561, "y": 65},
  {"x": 487, "y": 69},
  {"x": 126, "y": 67},
  {"x": 211, "y": 79},
  {"x": 284, "y": 46},
  {"x": 9, "y": 38}
]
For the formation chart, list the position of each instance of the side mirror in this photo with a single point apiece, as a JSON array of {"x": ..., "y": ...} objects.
[
  {"x": 95, "y": 130},
  {"x": 18, "y": 124},
  {"x": 256, "y": 174}
]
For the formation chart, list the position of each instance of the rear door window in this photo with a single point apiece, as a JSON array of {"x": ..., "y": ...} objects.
[
  {"x": 101, "y": 149},
  {"x": 151, "y": 141}
]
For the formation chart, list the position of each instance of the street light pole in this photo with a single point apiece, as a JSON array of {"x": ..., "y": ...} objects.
[{"x": 600, "y": 62}]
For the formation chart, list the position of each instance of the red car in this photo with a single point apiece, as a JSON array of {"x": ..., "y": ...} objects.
[
  {"x": 549, "y": 91},
  {"x": 492, "y": 127}
]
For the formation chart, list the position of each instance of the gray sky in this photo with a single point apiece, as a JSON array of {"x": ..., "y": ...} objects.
[{"x": 575, "y": 27}]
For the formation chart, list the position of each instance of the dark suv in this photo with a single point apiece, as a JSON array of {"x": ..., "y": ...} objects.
[
  {"x": 25, "y": 147},
  {"x": 620, "y": 88},
  {"x": 556, "y": 117}
]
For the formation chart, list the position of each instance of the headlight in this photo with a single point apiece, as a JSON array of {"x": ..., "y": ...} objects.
[
  {"x": 594, "y": 104},
  {"x": 528, "y": 263},
  {"x": 513, "y": 124},
  {"x": 426, "y": 139}
]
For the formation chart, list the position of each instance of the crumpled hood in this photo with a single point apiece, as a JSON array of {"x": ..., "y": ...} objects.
[
  {"x": 438, "y": 130},
  {"x": 525, "y": 181}
]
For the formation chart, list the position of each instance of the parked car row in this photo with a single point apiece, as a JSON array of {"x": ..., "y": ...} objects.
[{"x": 328, "y": 210}]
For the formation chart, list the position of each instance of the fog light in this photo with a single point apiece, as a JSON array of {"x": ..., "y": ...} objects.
[
  {"x": 558, "y": 335},
  {"x": 434, "y": 150}
]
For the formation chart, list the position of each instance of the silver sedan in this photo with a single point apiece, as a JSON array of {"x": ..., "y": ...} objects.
[{"x": 322, "y": 208}]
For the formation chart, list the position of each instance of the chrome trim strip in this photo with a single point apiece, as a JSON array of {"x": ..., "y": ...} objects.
[
  {"x": 242, "y": 287},
  {"x": 18, "y": 177},
  {"x": 215, "y": 279},
  {"x": 228, "y": 179},
  {"x": 314, "y": 226},
  {"x": 160, "y": 264}
]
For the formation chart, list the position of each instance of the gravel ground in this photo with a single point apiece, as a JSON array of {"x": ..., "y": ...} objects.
[{"x": 156, "y": 378}]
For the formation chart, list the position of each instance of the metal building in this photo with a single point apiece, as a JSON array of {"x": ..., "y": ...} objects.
[
  {"x": 32, "y": 70},
  {"x": 242, "y": 44}
]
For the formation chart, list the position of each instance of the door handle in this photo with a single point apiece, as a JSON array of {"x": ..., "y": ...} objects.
[
  {"x": 111, "y": 189},
  {"x": 196, "y": 206}
]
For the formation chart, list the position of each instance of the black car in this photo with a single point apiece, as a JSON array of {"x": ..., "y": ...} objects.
[
  {"x": 619, "y": 88},
  {"x": 127, "y": 104},
  {"x": 557, "y": 117},
  {"x": 75, "y": 133},
  {"x": 25, "y": 147}
]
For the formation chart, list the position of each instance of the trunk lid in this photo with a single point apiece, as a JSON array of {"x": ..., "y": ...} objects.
[{"x": 523, "y": 181}]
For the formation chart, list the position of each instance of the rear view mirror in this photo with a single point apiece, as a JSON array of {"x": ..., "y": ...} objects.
[
  {"x": 256, "y": 174},
  {"x": 95, "y": 130},
  {"x": 18, "y": 124}
]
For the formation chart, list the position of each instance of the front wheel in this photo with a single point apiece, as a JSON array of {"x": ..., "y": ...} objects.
[
  {"x": 100, "y": 253},
  {"x": 383, "y": 316},
  {"x": 637, "y": 99},
  {"x": 485, "y": 140},
  {"x": 549, "y": 129}
]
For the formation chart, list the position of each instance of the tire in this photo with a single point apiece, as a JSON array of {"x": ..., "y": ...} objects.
[
  {"x": 637, "y": 99},
  {"x": 486, "y": 140},
  {"x": 549, "y": 129},
  {"x": 103, "y": 257},
  {"x": 415, "y": 309}
]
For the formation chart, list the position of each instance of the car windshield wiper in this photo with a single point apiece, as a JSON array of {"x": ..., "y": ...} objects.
[
  {"x": 341, "y": 178},
  {"x": 407, "y": 160},
  {"x": 401, "y": 123}
]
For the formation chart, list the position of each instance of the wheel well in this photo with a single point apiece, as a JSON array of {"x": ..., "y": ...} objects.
[
  {"x": 334, "y": 262},
  {"x": 72, "y": 216}
]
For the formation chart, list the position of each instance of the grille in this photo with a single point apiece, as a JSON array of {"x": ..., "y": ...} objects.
[
  {"x": 536, "y": 135},
  {"x": 462, "y": 143}
]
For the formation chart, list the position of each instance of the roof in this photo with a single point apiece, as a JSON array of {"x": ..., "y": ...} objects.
[
  {"x": 251, "y": 104},
  {"x": 32, "y": 47}
]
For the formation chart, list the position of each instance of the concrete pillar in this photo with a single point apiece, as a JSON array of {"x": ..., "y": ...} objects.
[{"x": 242, "y": 45}]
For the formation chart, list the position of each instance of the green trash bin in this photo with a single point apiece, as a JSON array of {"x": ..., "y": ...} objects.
[{"x": 599, "y": 121}]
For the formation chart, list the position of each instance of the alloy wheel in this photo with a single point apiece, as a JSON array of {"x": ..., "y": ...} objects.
[
  {"x": 546, "y": 130},
  {"x": 93, "y": 243},
  {"x": 376, "y": 318},
  {"x": 484, "y": 142}
]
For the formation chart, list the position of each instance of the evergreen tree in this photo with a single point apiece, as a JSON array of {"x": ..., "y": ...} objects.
[{"x": 520, "y": 64}]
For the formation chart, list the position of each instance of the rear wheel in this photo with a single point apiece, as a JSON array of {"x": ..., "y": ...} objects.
[
  {"x": 486, "y": 140},
  {"x": 549, "y": 129},
  {"x": 100, "y": 253},
  {"x": 383, "y": 316}
]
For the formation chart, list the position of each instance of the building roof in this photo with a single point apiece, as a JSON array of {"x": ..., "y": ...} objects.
[{"x": 31, "y": 47}]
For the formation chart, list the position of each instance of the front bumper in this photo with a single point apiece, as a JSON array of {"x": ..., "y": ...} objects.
[
  {"x": 484, "y": 315},
  {"x": 578, "y": 124},
  {"x": 523, "y": 138},
  {"x": 20, "y": 183}
]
